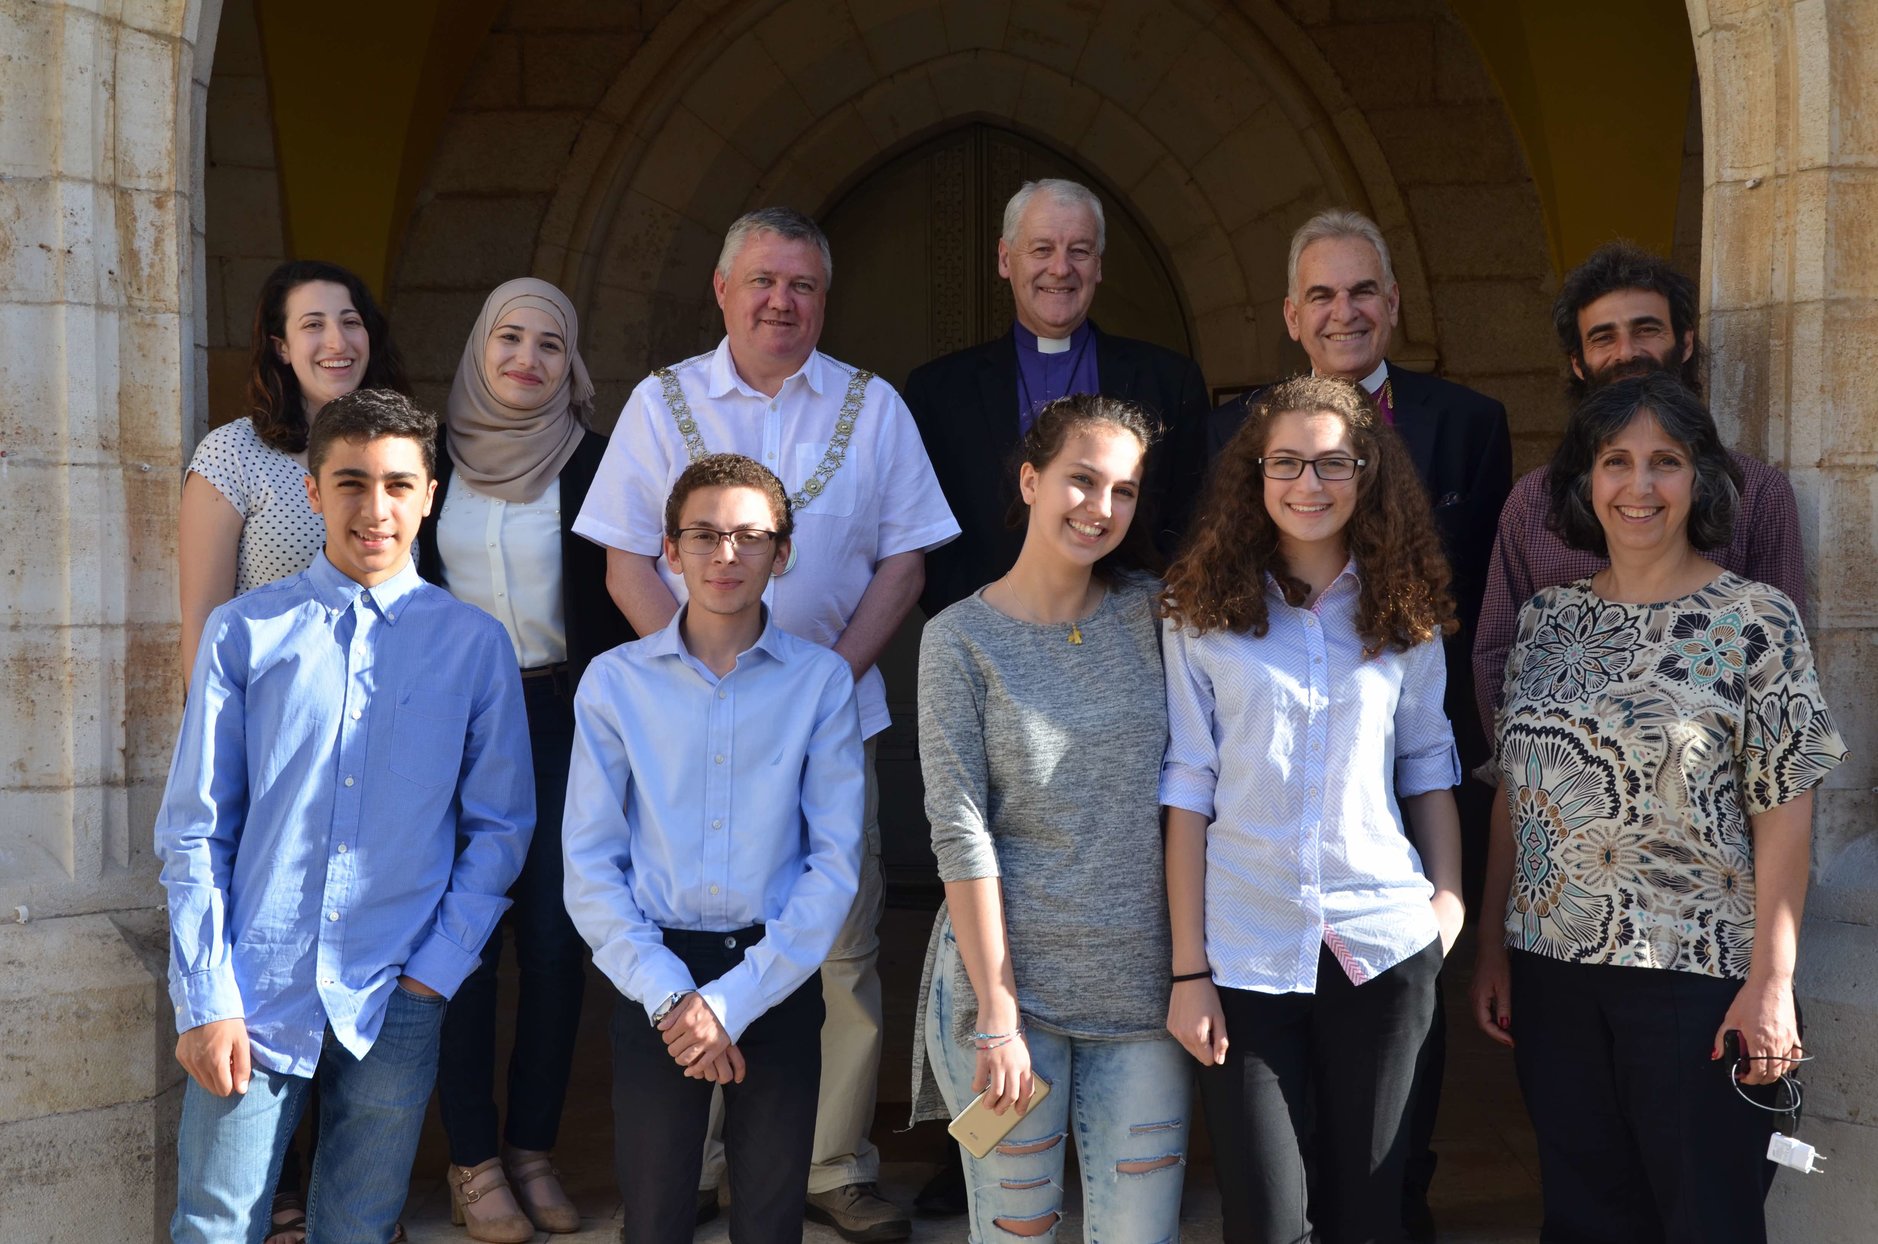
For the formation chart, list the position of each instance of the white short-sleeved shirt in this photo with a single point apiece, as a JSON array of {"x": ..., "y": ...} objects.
[
  {"x": 280, "y": 533},
  {"x": 883, "y": 500}
]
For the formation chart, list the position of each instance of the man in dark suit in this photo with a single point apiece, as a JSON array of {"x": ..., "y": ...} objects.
[
  {"x": 1342, "y": 307},
  {"x": 973, "y": 405}
]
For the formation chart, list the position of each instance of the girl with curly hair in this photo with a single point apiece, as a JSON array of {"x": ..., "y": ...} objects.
[{"x": 1305, "y": 674}]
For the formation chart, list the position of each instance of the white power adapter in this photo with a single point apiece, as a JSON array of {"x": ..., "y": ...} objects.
[{"x": 1789, "y": 1151}]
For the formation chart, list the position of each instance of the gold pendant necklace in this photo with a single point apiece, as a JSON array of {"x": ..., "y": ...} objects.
[{"x": 1075, "y": 633}]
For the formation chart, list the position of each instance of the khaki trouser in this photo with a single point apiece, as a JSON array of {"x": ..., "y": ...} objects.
[{"x": 850, "y": 1035}]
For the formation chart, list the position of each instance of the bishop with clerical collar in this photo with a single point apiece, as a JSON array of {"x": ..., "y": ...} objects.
[{"x": 973, "y": 405}]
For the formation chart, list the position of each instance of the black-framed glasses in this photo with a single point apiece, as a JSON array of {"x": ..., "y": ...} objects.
[
  {"x": 744, "y": 542},
  {"x": 1335, "y": 467}
]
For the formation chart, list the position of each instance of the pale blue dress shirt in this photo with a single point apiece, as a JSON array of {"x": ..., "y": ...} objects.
[
  {"x": 713, "y": 804},
  {"x": 1296, "y": 747},
  {"x": 350, "y": 800}
]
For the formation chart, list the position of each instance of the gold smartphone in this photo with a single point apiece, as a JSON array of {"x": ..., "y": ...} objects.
[{"x": 978, "y": 1129}]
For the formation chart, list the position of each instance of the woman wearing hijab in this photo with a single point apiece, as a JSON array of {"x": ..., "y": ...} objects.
[{"x": 513, "y": 467}]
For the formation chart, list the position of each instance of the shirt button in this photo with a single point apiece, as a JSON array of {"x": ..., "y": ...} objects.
[
  {"x": 717, "y": 824},
  {"x": 357, "y": 713},
  {"x": 332, "y": 915},
  {"x": 343, "y": 848},
  {"x": 348, "y": 781},
  {"x": 729, "y": 942},
  {"x": 713, "y": 889},
  {"x": 720, "y": 759},
  {"x": 722, "y": 694}
]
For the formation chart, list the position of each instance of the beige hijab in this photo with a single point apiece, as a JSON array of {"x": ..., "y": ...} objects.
[{"x": 504, "y": 451}]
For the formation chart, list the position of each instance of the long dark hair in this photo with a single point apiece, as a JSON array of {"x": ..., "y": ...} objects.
[
  {"x": 274, "y": 401},
  {"x": 1218, "y": 581},
  {"x": 1053, "y": 426}
]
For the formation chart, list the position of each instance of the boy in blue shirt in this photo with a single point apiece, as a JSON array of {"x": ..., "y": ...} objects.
[
  {"x": 350, "y": 799},
  {"x": 713, "y": 848}
]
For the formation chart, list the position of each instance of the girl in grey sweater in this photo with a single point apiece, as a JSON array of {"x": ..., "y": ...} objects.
[{"x": 1042, "y": 716}]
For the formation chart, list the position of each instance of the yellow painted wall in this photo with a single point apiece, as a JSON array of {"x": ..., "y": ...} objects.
[
  {"x": 360, "y": 92},
  {"x": 1599, "y": 92}
]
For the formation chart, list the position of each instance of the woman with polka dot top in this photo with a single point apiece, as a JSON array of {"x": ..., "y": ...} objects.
[{"x": 245, "y": 519}]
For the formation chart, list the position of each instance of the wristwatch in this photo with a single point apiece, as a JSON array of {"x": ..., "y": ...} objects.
[{"x": 665, "y": 1007}]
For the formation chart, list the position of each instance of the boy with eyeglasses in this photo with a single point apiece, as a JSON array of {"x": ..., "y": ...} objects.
[{"x": 713, "y": 848}]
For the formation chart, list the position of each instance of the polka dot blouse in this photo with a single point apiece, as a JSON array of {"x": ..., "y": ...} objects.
[{"x": 281, "y": 533}]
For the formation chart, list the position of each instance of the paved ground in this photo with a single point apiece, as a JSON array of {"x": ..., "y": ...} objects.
[{"x": 1486, "y": 1191}]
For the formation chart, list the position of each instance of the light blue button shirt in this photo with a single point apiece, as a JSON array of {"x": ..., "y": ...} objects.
[
  {"x": 1296, "y": 747},
  {"x": 712, "y": 804},
  {"x": 350, "y": 800}
]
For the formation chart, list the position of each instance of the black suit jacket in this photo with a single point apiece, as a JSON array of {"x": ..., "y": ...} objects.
[
  {"x": 594, "y": 623},
  {"x": 965, "y": 405},
  {"x": 1459, "y": 442}
]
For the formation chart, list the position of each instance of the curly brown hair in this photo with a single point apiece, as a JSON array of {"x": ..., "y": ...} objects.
[
  {"x": 730, "y": 471},
  {"x": 1218, "y": 580}
]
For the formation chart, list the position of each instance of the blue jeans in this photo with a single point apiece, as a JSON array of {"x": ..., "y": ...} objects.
[
  {"x": 1128, "y": 1103},
  {"x": 228, "y": 1149}
]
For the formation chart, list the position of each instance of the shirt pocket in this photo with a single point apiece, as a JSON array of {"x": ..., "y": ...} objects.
[
  {"x": 427, "y": 730},
  {"x": 837, "y": 495}
]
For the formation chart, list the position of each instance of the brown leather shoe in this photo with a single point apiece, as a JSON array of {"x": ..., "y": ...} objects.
[
  {"x": 859, "y": 1214},
  {"x": 537, "y": 1185},
  {"x": 480, "y": 1200}
]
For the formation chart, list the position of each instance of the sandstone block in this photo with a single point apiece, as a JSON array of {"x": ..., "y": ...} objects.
[
  {"x": 899, "y": 107},
  {"x": 1060, "y": 108},
  {"x": 1208, "y": 270},
  {"x": 108, "y": 1174},
  {"x": 898, "y": 33},
  {"x": 1262, "y": 169},
  {"x": 1134, "y": 45},
  {"x": 1203, "y": 101},
  {"x": 816, "y": 44},
  {"x": 1171, "y": 204},
  {"x": 1384, "y": 64},
  {"x": 240, "y": 133},
  {"x": 982, "y": 82},
  {"x": 1489, "y": 326},
  {"x": 84, "y": 1014},
  {"x": 145, "y": 71},
  {"x": 1742, "y": 122},
  {"x": 470, "y": 242},
  {"x": 533, "y": 146},
  {"x": 1050, "y": 32},
  {"x": 980, "y": 25},
  {"x": 1480, "y": 231},
  {"x": 573, "y": 69},
  {"x": 743, "y": 80}
]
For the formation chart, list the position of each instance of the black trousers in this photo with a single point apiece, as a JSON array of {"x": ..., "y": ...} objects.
[
  {"x": 659, "y": 1116},
  {"x": 1317, "y": 1085},
  {"x": 552, "y": 960},
  {"x": 1642, "y": 1138}
]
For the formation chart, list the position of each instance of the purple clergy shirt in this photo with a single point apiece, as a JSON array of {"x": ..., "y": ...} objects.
[{"x": 1042, "y": 378}]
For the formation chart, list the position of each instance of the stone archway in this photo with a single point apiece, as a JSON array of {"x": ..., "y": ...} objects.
[{"x": 720, "y": 111}]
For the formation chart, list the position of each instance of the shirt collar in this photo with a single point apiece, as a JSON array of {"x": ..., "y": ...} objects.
[
  {"x": 1027, "y": 340},
  {"x": 724, "y": 379},
  {"x": 336, "y": 591},
  {"x": 1348, "y": 572},
  {"x": 1372, "y": 382},
  {"x": 670, "y": 643}
]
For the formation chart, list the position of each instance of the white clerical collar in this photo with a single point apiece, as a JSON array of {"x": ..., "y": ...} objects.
[
  {"x": 1372, "y": 382},
  {"x": 1052, "y": 345},
  {"x": 1049, "y": 345}
]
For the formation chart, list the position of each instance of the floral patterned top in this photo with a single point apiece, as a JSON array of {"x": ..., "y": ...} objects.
[{"x": 1636, "y": 740}]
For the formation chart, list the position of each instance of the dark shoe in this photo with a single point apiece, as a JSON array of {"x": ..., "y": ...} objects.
[
  {"x": 707, "y": 1205},
  {"x": 859, "y": 1214},
  {"x": 944, "y": 1194}
]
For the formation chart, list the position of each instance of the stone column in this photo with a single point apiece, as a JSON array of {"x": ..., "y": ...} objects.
[
  {"x": 1790, "y": 289},
  {"x": 100, "y": 109}
]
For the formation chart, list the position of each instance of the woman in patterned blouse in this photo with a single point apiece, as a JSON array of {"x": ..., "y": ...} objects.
[{"x": 1661, "y": 735}]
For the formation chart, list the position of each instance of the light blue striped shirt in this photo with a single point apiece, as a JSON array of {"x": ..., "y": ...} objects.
[
  {"x": 712, "y": 804},
  {"x": 351, "y": 798},
  {"x": 1295, "y": 747}
]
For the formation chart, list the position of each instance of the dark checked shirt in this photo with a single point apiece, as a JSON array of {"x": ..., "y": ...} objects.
[{"x": 1528, "y": 557}]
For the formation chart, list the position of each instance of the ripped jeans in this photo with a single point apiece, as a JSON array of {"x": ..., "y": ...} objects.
[{"x": 1127, "y": 1104}]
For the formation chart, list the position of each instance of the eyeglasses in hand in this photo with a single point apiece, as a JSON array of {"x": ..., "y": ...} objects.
[{"x": 1333, "y": 468}]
